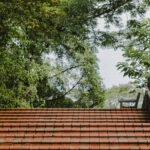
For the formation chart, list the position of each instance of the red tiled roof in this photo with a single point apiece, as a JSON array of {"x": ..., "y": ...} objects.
[{"x": 74, "y": 129}]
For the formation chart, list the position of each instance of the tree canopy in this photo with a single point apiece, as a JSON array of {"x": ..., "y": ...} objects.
[
  {"x": 137, "y": 52},
  {"x": 32, "y": 30}
]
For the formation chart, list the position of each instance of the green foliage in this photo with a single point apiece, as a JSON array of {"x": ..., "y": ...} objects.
[
  {"x": 63, "y": 103},
  {"x": 114, "y": 93},
  {"x": 137, "y": 52},
  {"x": 119, "y": 91},
  {"x": 29, "y": 31}
]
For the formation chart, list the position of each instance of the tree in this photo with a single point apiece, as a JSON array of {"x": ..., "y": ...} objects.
[
  {"x": 115, "y": 93},
  {"x": 125, "y": 91},
  {"x": 137, "y": 52},
  {"x": 31, "y": 30}
]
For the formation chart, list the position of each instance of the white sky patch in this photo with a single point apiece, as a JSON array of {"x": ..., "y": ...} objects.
[{"x": 108, "y": 59}]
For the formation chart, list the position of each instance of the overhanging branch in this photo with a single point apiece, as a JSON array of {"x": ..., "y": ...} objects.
[
  {"x": 70, "y": 68},
  {"x": 67, "y": 91},
  {"x": 112, "y": 8}
]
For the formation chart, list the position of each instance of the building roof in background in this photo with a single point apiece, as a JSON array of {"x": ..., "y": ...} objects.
[{"x": 74, "y": 129}]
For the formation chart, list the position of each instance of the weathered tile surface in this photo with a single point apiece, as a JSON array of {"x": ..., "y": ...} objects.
[{"x": 74, "y": 129}]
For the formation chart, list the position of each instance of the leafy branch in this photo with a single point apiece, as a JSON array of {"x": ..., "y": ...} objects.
[
  {"x": 107, "y": 9},
  {"x": 67, "y": 92},
  {"x": 70, "y": 68}
]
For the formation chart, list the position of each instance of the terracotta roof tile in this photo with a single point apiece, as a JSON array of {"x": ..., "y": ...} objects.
[{"x": 74, "y": 129}]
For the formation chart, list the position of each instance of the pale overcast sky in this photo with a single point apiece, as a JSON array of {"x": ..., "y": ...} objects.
[
  {"x": 109, "y": 58},
  {"x": 107, "y": 63}
]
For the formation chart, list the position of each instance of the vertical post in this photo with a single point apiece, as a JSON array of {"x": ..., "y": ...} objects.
[
  {"x": 146, "y": 101},
  {"x": 148, "y": 83}
]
